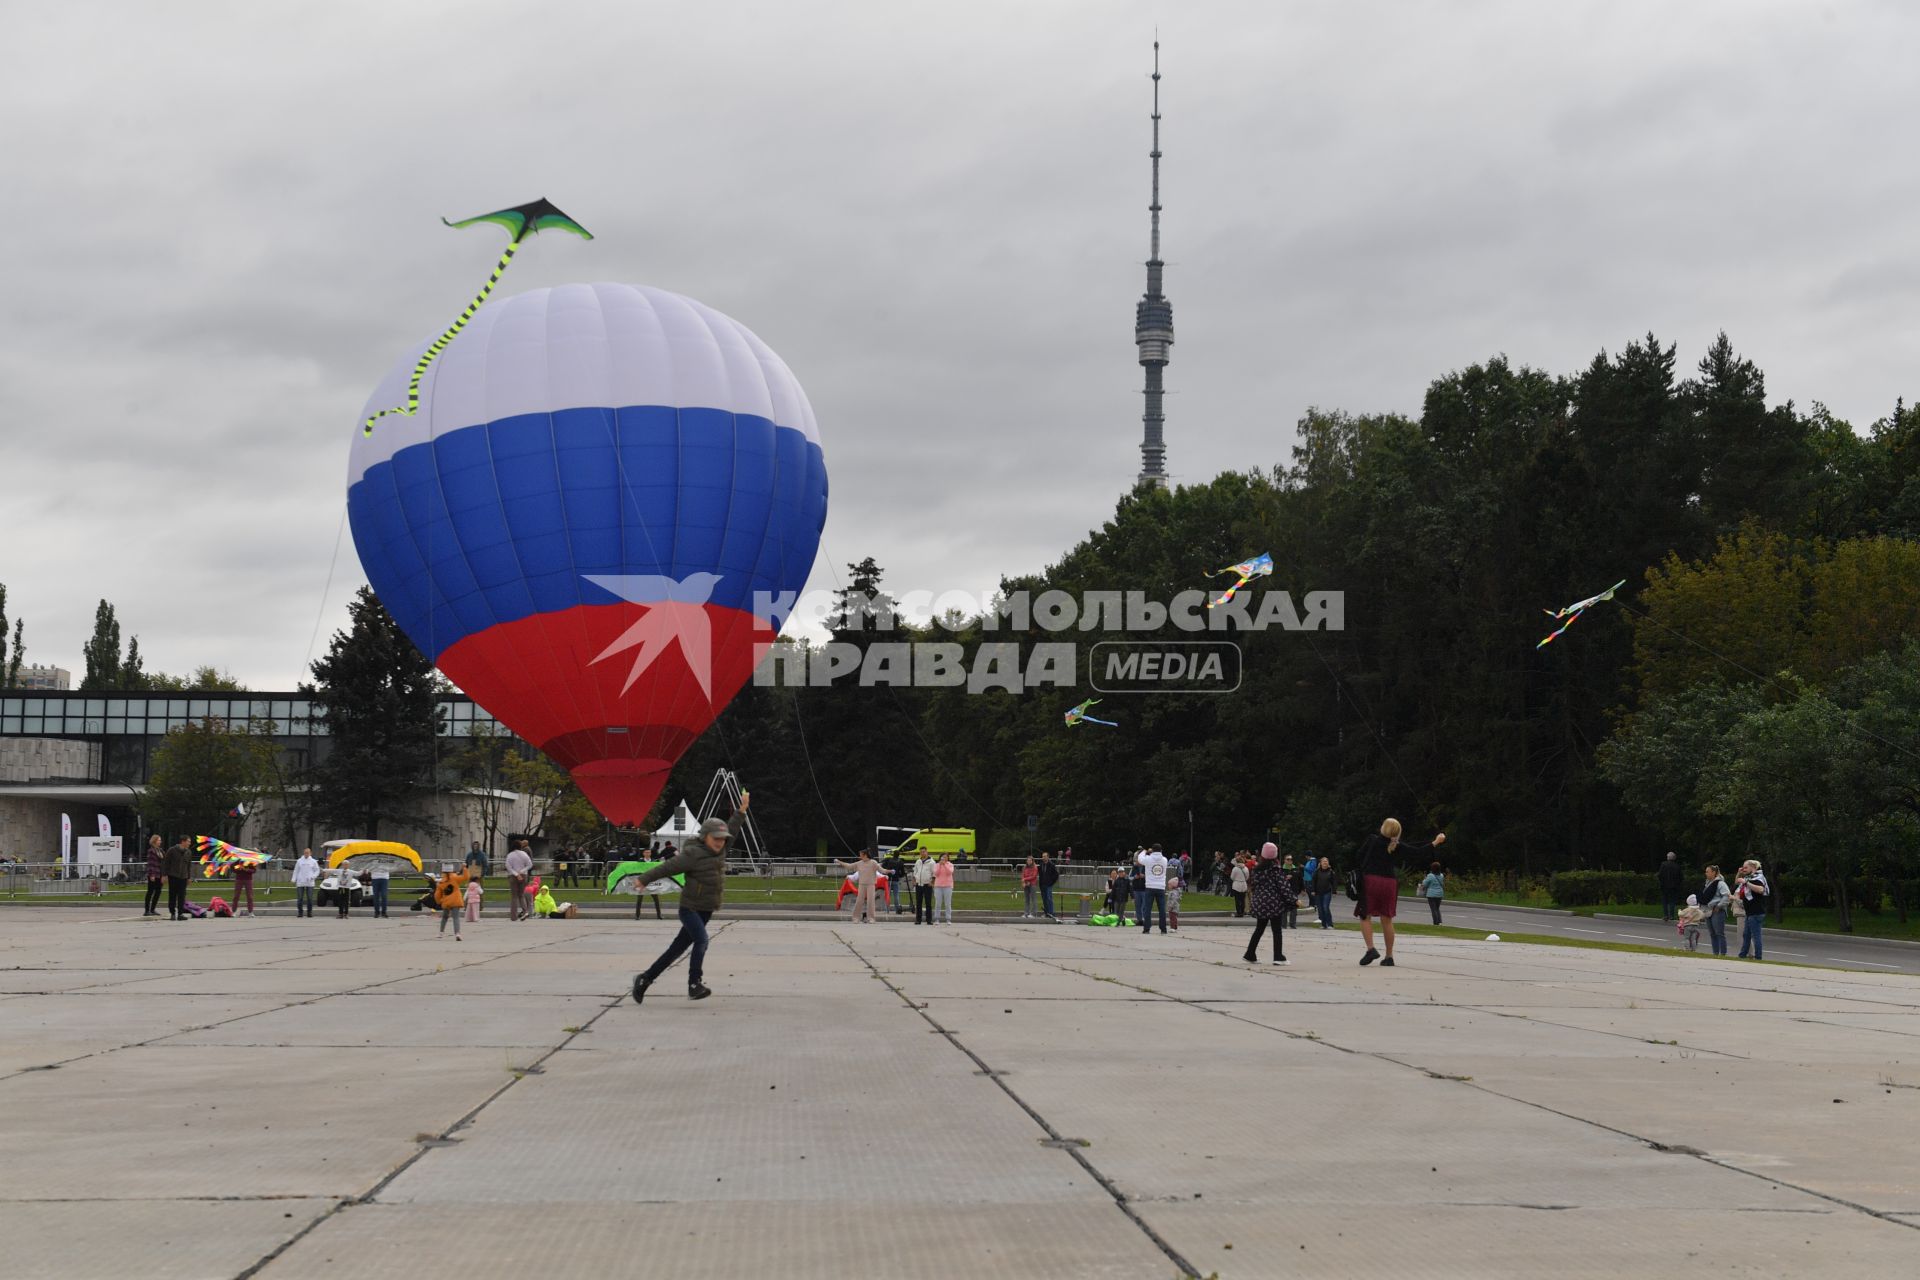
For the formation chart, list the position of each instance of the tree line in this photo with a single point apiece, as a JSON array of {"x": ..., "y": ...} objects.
[{"x": 1772, "y": 583}]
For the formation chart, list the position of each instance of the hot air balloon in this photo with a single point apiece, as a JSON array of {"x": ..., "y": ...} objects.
[{"x": 596, "y": 522}]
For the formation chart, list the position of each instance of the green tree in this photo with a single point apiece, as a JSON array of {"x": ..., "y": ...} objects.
[
  {"x": 6, "y": 681},
  {"x": 102, "y": 652},
  {"x": 1764, "y": 603},
  {"x": 203, "y": 678},
  {"x": 133, "y": 672},
  {"x": 1664, "y": 754},
  {"x": 19, "y": 653},
  {"x": 482, "y": 766},
  {"x": 383, "y": 720},
  {"x": 201, "y": 772},
  {"x": 547, "y": 788},
  {"x": 1793, "y": 770}
]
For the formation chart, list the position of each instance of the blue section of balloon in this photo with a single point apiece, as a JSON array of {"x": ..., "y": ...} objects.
[{"x": 508, "y": 519}]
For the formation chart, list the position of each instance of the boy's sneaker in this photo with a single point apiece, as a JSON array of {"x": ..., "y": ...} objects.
[
  {"x": 1370, "y": 957},
  {"x": 1387, "y": 963},
  {"x": 640, "y": 984},
  {"x": 1283, "y": 960},
  {"x": 698, "y": 992}
]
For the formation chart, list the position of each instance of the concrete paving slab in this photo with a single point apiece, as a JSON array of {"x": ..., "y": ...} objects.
[
  {"x": 648, "y": 1122},
  {"x": 903, "y": 1239},
  {"x": 1413, "y": 1030},
  {"x": 36, "y": 1030},
  {"x": 407, "y": 1022},
  {"x": 284, "y": 980},
  {"x": 159, "y": 1122},
  {"x": 1506, "y": 1104},
  {"x": 1777, "y": 1120},
  {"x": 151, "y": 1239},
  {"x": 1477, "y": 1242},
  {"x": 1743, "y": 1034}
]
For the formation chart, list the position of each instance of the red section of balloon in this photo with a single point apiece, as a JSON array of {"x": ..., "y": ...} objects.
[{"x": 550, "y": 674}]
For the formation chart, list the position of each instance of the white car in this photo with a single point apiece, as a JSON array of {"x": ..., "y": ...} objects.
[{"x": 333, "y": 883}]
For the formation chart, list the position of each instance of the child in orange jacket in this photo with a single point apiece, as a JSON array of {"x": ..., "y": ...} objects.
[{"x": 449, "y": 896}]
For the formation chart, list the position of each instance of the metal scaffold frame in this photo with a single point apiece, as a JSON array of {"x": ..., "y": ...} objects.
[{"x": 726, "y": 786}]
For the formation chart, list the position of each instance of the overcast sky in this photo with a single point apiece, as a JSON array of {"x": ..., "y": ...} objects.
[{"x": 225, "y": 227}]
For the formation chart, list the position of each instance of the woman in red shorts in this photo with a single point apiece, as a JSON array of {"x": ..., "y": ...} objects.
[{"x": 1380, "y": 884}]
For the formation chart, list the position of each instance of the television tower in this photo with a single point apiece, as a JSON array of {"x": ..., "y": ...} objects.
[{"x": 1153, "y": 322}]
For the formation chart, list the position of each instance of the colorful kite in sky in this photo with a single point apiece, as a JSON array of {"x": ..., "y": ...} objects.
[
  {"x": 1078, "y": 715},
  {"x": 217, "y": 857},
  {"x": 520, "y": 221},
  {"x": 1573, "y": 611},
  {"x": 1260, "y": 566}
]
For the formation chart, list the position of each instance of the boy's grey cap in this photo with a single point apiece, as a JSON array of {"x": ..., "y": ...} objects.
[{"x": 715, "y": 827}]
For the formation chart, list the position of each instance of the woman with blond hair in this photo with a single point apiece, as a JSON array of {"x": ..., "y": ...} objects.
[{"x": 1380, "y": 884}]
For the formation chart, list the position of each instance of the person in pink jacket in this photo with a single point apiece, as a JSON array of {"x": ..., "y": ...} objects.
[
  {"x": 943, "y": 888},
  {"x": 474, "y": 893}
]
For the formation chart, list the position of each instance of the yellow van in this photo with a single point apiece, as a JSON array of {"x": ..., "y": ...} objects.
[{"x": 957, "y": 841}]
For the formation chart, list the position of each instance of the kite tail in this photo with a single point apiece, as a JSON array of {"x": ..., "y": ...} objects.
[
  {"x": 443, "y": 341},
  {"x": 1556, "y": 635},
  {"x": 1229, "y": 593},
  {"x": 1109, "y": 723}
]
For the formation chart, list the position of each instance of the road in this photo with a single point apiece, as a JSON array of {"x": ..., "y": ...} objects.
[{"x": 1806, "y": 948}]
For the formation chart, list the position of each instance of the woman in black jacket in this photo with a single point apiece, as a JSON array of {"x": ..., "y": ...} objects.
[
  {"x": 1271, "y": 890},
  {"x": 1380, "y": 884}
]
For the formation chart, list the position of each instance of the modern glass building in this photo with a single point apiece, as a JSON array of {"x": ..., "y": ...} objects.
[{"x": 126, "y": 727}]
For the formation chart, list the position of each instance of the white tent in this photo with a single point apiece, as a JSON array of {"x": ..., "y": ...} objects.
[{"x": 679, "y": 827}]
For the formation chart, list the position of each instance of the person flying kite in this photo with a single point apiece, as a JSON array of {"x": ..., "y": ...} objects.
[
  {"x": 520, "y": 221},
  {"x": 1573, "y": 611},
  {"x": 1078, "y": 715},
  {"x": 1261, "y": 566}
]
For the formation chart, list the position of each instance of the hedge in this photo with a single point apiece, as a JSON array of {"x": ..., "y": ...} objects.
[{"x": 1601, "y": 888}]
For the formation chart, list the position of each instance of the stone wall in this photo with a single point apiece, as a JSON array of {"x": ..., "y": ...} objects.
[
  {"x": 48, "y": 760},
  {"x": 30, "y": 829}
]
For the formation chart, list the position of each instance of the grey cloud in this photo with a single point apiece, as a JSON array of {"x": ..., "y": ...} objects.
[{"x": 935, "y": 214}]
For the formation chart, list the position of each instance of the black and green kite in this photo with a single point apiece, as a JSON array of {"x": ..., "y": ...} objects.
[{"x": 520, "y": 222}]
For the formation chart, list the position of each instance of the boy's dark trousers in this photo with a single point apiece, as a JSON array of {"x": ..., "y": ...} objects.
[{"x": 923, "y": 904}]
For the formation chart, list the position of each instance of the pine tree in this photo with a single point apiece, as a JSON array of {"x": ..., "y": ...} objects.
[
  {"x": 4, "y": 683},
  {"x": 383, "y": 717},
  {"x": 103, "y": 651}
]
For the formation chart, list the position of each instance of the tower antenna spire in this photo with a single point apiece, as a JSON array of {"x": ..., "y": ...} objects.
[
  {"x": 1154, "y": 208},
  {"x": 1153, "y": 320}
]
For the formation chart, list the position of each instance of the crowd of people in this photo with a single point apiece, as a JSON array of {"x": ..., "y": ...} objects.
[{"x": 1268, "y": 886}]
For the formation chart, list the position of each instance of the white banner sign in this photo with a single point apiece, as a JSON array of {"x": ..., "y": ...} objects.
[
  {"x": 99, "y": 855},
  {"x": 106, "y": 828},
  {"x": 66, "y": 843}
]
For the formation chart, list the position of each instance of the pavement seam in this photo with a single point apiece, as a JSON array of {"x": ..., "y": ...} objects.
[
  {"x": 1054, "y": 1137},
  {"x": 437, "y": 1140},
  {"x": 1893, "y": 1217}
]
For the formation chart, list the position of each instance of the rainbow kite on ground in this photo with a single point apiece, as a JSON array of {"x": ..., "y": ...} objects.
[{"x": 217, "y": 857}]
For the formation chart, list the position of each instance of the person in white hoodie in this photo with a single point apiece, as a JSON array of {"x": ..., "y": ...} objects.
[
  {"x": 923, "y": 890},
  {"x": 306, "y": 872}
]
